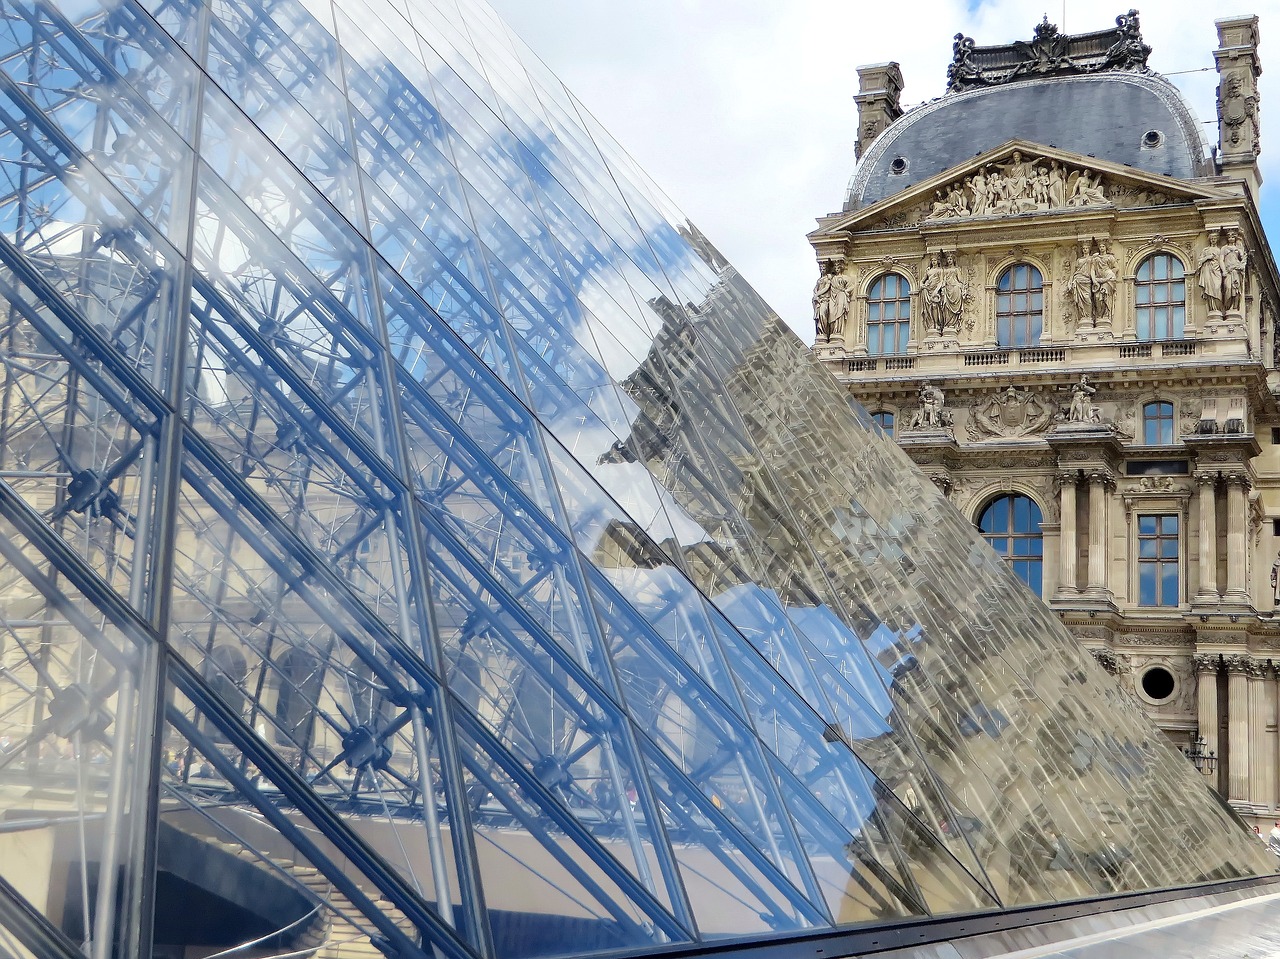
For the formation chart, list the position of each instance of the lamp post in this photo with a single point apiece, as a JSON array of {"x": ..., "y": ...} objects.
[{"x": 1205, "y": 762}]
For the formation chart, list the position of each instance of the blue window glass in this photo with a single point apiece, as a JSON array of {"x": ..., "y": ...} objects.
[
  {"x": 884, "y": 418},
  {"x": 1158, "y": 560},
  {"x": 1160, "y": 298},
  {"x": 888, "y": 315},
  {"x": 1019, "y": 306},
  {"x": 1157, "y": 424},
  {"x": 1011, "y": 525}
]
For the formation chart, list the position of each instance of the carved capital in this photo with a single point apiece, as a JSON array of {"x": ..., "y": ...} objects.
[
  {"x": 943, "y": 482},
  {"x": 1237, "y": 664},
  {"x": 1257, "y": 668},
  {"x": 1105, "y": 477},
  {"x": 1065, "y": 478},
  {"x": 1238, "y": 478},
  {"x": 1207, "y": 478},
  {"x": 1206, "y": 663},
  {"x": 1109, "y": 660}
]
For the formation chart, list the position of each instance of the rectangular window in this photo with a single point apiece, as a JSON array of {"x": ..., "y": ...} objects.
[{"x": 1158, "y": 560}]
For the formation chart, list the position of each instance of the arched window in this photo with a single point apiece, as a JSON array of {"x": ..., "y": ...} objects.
[
  {"x": 1019, "y": 306},
  {"x": 1160, "y": 297},
  {"x": 1011, "y": 524},
  {"x": 226, "y": 669},
  {"x": 299, "y": 680},
  {"x": 1157, "y": 424},
  {"x": 884, "y": 419},
  {"x": 888, "y": 315}
]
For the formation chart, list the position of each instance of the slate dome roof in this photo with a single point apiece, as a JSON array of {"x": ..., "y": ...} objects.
[{"x": 1136, "y": 119}]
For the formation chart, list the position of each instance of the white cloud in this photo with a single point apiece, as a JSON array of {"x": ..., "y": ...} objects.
[{"x": 743, "y": 112}]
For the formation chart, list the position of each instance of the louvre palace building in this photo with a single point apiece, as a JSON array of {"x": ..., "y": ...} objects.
[
  {"x": 1060, "y": 301},
  {"x": 416, "y": 540}
]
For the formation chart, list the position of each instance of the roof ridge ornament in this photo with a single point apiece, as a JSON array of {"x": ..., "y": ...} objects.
[{"x": 1049, "y": 53}]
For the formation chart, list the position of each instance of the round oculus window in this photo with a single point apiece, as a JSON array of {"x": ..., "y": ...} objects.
[
  {"x": 1158, "y": 683},
  {"x": 1152, "y": 139},
  {"x": 898, "y": 166}
]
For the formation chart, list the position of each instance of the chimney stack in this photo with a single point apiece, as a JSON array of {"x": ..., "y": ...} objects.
[
  {"x": 1238, "y": 65},
  {"x": 879, "y": 103}
]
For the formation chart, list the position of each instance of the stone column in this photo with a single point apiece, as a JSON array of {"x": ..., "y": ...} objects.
[
  {"x": 1098, "y": 483},
  {"x": 1237, "y": 531},
  {"x": 1260, "y": 767},
  {"x": 1067, "y": 536},
  {"x": 1237, "y": 727},
  {"x": 1206, "y": 667},
  {"x": 1206, "y": 485}
]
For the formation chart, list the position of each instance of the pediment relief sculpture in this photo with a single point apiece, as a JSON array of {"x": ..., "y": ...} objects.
[
  {"x": 1020, "y": 185},
  {"x": 1010, "y": 413}
]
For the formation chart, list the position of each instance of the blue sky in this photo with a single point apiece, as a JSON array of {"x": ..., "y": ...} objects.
[{"x": 743, "y": 111}]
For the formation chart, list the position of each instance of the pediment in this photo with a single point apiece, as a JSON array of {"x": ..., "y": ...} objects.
[{"x": 1017, "y": 178}]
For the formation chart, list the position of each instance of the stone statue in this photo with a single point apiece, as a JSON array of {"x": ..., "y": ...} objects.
[
  {"x": 1082, "y": 409},
  {"x": 930, "y": 298},
  {"x": 1057, "y": 186},
  {"x": 831, "y": 299},
  {"x": 1106, "y": 273},
  {"x": 1092, "y": 284},
  {"x": 978, "y": 186},
  {"x": 932, "y": 413},
  {"x": 1209, "y": 274},
  {"x": 1275, "y": 584},
  {"x": 1084, "y": 190},
  {"x": 943, "y": 293},
  {"x": 1234, "y": 260}
]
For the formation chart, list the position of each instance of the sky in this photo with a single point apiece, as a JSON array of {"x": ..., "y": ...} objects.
[{"x": 742, "y": 111}]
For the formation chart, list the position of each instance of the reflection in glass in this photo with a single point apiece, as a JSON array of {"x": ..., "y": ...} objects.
[{"x": 415, "y": 516}]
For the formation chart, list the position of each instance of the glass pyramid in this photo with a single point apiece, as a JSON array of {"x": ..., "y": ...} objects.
[{"x": 416, "y": 539}]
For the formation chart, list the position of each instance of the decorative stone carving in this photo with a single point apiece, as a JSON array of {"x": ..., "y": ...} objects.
[
  {"x": 1081, "y": 408},
  {"x": 1092, "y": 284},
  {"x": 1206, "y": 663},
  {"x": 932, "y": 414},
  {"x": 1234, "y": 262},
  {"x": 1011, "y": 412},
  {"x": 1275, "y": 581},
  {"x": 1157, "y": 484},
  {"x": 1049, "y": 52},
  {"x": 943, "y": 294},
  {"x": 832, "y": 296},
  {"x": 1237, "y": 663},
  {"x": 1107, "y": 659},
  {"x": 1020, "y": 185},
  {"x": 1210, "y": 273},
  {"x": 1238, "y": 107}
]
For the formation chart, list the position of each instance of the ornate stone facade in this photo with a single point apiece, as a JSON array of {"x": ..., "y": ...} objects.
[{"x": 1102, "y": 343}]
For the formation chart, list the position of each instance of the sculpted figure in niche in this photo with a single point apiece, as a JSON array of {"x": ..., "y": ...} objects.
[
  {"x": 831, "y": 301},
  {"x": 1275, "y": 585},
  {"x": 932, "y": 413},
  {"x": 1082, "y": 409},
  {"x": 943, "y": 293},
  {"x": 1092, "y": 284},
  {"x": 1209, "y": 274},
  {"x": 1234, "y": 261}
]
